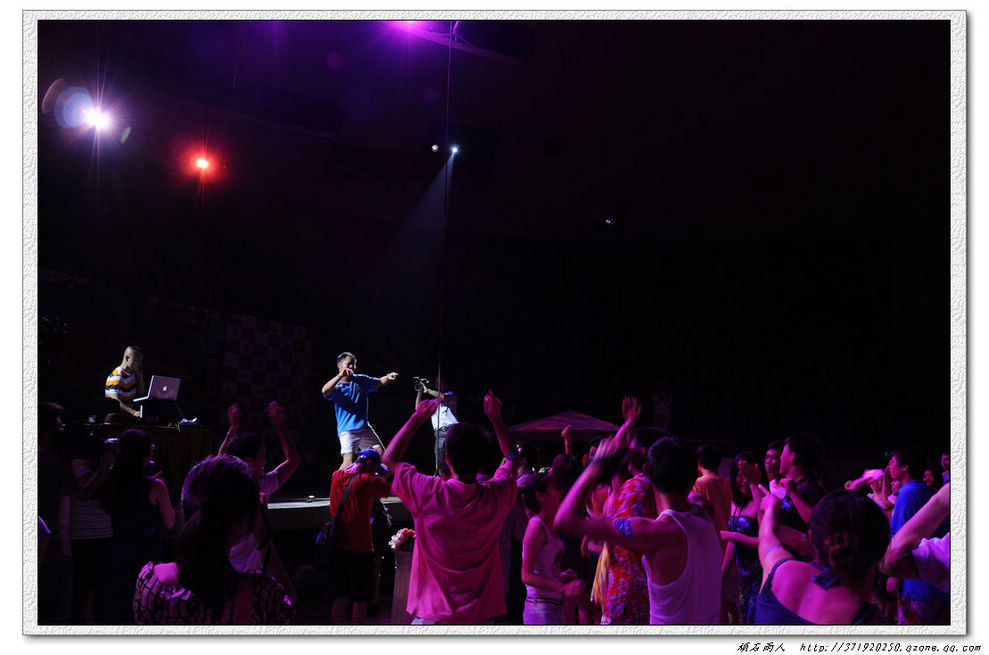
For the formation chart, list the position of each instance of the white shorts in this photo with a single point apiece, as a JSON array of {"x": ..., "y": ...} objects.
[{"x": 352, "y": 441}]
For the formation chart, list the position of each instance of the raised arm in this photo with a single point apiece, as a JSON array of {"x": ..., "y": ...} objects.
[
  {"x": 898, "y": 560},
  {"x": 276, "y": 414},
  {"x": 771, "y": 549},
  {"x": 343, "y": 375},
  {"x": 400, "y": 442},
  {"x": 385, "y": 379},
  {"x": 567, "y": 441},
  {"x": 630, "y": 411},
  {"x": 492, "y": 409},
  {"x": 636, "y": 534},
  {"x": 233, "y": 418}
]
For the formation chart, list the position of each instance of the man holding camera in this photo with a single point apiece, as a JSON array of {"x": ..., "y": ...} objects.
[{"x": 444, "y": 416}]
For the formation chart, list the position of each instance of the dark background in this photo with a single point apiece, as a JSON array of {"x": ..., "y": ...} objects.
[{"x": 778, "y": 191}]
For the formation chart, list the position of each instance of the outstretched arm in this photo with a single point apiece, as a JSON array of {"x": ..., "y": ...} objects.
[
  {"x": 276, "y": 414},
  {"x": 385, "y": 379},
  {"x": 898, "y": 560},
  {"x": 400, "y": 442}
]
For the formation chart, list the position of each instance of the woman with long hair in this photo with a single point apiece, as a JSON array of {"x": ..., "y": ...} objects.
[
  {"x": 850, "y": 535},
  {"x": 219, "y": 502},
  {"x": 742, "y": 536}
]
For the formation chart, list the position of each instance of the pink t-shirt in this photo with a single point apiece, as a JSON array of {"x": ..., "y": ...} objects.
[{"x": 456, "y": 563}]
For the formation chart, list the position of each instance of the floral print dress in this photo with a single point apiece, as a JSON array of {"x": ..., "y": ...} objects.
[{"x": 626, "y": 597}]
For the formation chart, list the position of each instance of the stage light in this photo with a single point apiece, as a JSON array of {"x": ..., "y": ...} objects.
[
  {"x": 407, "y": 24},
  {"x": 608, "y": 221},
  {"x": 454, "y": 148},
  {"x": 435, "y": 148},
  {"x": 96, "y": 119},
  {"x": 202, "y": 163}
]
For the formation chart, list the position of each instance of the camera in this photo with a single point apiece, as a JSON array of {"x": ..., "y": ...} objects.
[
  {"x": 85, "y": 440},
  {"x": 421, "y": 384}
]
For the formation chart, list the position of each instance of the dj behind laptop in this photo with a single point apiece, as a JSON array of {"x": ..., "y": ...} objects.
[{"x": 161, "y": 403}]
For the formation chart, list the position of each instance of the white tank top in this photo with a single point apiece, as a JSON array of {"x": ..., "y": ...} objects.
[
  {"x": 547, "y": 564},
  {"x": 695, "y": 597}
]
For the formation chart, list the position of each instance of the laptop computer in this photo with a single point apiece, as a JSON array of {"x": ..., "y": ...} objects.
[{"x": 161, "y": 388}]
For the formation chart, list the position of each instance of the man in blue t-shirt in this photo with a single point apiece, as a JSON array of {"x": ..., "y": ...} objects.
[
  {"x": 348, "y": 392},
  {"x": 918, "y": 603}
]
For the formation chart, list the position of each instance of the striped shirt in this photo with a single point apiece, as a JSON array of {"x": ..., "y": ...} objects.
[
  {"x": 87, "y": 519},
  {"x": 121, "y": 386},
  {"x": 160, "y": 603}
]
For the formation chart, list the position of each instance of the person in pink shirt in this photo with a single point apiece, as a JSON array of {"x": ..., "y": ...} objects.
[{"x": 456, "y": 564}]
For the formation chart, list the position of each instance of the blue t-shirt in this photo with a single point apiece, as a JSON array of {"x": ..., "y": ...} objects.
[
  {"x": 350, "y": 401},
  {"x": 913, "y": 495}
]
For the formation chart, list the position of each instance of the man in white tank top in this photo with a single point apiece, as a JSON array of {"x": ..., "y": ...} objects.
[{"x": 681, "y": 547}]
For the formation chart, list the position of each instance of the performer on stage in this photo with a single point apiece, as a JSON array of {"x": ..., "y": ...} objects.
[
  {"x": 126, "y": 382},
  {"x": 348, "y": 392},
  {"x": 444, "y": 416}
]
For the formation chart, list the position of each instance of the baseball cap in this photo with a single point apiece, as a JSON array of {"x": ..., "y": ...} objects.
[{"x": 373, "y": 456}]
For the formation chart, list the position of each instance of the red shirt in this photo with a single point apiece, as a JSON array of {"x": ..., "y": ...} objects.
[{"x": 354, "y": 519}]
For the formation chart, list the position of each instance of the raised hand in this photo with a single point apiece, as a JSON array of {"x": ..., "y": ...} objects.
[
  {"x": 608, "y": 448},
  {"x": 492, "y": 406},
  {"x": 566, "y": 433},
  {"x": 769, "y": 501},
  {"x": 750, "y": 472},
  {"x": 276, "y": 414},
  {"x": 631, "y": 408},
  {"x": 425, "y": 409},
  {"x": 233, "y": 417},
  {"x": 391, "y": 376}
]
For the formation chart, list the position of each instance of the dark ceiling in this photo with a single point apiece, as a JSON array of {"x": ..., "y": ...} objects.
[
  {"x": 693, "y": 130},
  {"x": 777, "y": 193}
]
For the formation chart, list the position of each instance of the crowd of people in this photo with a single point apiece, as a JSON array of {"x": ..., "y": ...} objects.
[{"x": 642, "y": 529}]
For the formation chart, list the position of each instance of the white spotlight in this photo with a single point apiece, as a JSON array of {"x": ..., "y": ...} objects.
[
  {"x": 96, "y": 119},
  {"x": 454, "y": 148},
  {"x": 435, "y": 148}
]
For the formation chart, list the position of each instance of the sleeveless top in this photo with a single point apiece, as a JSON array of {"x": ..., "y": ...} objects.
[
  {"x": 547, "y": 566},
  {"x": 694, "y": 597},
  {"x": 138, "y": 521},
  {"x": 746, "y": 558},
  {"x": 770, "y": 611}
]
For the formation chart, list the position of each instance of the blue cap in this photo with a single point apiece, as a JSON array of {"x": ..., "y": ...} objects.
[{"x": 373, "y": 456}]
